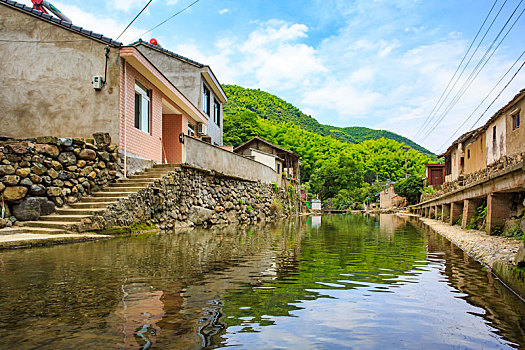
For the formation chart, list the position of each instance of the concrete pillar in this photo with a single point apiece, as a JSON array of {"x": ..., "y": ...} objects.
[
  {"x": 456, "y": 209},
  {"x": 437, "y": 212},
  {"x": 431, "y": 212},
  {"x": 469, "y": 209},
  {"x": 445, "y": 210},
  {"x": 498, "y": 210}
]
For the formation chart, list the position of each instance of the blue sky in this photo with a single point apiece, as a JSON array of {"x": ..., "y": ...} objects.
[{"x": 376, "y": 63}]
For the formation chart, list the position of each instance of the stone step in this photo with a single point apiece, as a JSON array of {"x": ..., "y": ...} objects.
[
  {"x": 163, "y": 166},
  {"x": 120, "y": 189},
  {"x": 113, "y": 194},
  {"x": 74, "y": 211},
  {"x": 63, "y": 218},
  {"x": 128, "y": 183},
  {"x": 37, "y": 230},
  {"x": 80, "y": 205},
  {"x": 99, "y": 199},
  {"x": 49, "y": 224},
  {"x": 139, "y": 180}
]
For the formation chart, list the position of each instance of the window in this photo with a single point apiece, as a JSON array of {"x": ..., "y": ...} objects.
[
  {"x": 494, "y": 133},
  {"x": 217, "y": 112},
  {"x": 468, "y": 154},
  {"x": 191, "y": 129},
  {"x": 142, "y": 107},
  {"x": 278, "y": 168},
  {"x": 205, "y": 99},
  {"x": 516, "y": 121}
]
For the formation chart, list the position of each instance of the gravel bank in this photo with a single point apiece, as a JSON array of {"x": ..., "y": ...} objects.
[{"x": 486, "y": 249}]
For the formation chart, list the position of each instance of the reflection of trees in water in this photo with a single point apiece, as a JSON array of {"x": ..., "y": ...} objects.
[
  {"x": 503, "y": 310},
  {"x": 351, "y": 245}
]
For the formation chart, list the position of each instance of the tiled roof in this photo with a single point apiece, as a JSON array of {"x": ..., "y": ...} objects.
[
  {"x": 168, "y": 52},
  {"x": 257, "y": 138},
  {"x": 58, "y": 21},
  {"x": 476, "y": 132}
]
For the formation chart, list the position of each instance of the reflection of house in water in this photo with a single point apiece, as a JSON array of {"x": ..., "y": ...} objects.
[
  {"x": 141, "y": 309},
  {"x": 390, "y": 223},
  {"x": 316, "y": 221}
]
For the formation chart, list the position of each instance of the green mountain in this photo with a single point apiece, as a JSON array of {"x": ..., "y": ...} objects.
[
  {"x": 250, "y": 113},
  {"x": 272, "y": 108}
]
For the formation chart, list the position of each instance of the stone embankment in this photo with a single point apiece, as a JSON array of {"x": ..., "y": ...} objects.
[
  {"x": 189, "y": 196},
  {"x": 40, "y": 173}
]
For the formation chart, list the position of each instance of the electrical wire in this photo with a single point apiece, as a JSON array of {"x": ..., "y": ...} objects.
[
  {"x": 464, "y": 68},
  {"x": 429, "y": 117},
  {"x": 169, "y": 18},
  {"x": 479, "y": 105},
  {"x": 475, "y": 72},
  {"x": 134, "y": 19},
  {"x": 505, "y": 87}
]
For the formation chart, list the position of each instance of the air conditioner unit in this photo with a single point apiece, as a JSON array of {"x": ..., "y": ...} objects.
[{"x": 201, "y": 129}]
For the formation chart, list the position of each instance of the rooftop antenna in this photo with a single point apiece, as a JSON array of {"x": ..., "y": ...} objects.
[{"x": 42, "y": 5}]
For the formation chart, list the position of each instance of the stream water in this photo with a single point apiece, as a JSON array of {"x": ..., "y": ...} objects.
[{"x": 330, "y": 282}]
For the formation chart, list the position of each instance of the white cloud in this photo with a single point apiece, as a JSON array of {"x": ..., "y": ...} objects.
[
  {"x": 126, "y": 5},
  {"x": 223, "y": 11},
  {"x": 107, "y": 26}
]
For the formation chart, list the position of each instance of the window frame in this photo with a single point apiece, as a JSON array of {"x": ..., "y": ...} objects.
[
  {"x": 216, "y": 112},
  {"x": 142, "y": 94},
  {"x": 206, "y": 99},
  {"x": 516, "y": 120}
]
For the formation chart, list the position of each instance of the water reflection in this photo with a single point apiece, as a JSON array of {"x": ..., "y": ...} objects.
[{"x": 336, "y": 281}]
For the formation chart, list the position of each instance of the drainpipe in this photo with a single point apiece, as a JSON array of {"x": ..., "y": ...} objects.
[{"x": 125, "y": 123}]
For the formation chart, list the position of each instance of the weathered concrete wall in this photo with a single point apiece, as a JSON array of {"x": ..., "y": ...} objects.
[
  {"x": 189, "y": 196},
  {"x": 57, "y": 170},
  {"x": 46, "y": 80},
  {"x": 496, "y": 146},
  {"x": 475, "y": 154},
  {"x": 516, "y": 137},
  {"x": 205, "y": 156}
]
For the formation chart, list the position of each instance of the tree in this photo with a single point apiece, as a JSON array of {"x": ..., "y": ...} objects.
[{"x": 410, "y": 188}]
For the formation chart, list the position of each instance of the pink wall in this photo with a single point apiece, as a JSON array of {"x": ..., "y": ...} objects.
[
  {"x": 172, "y": 126},
  {"x": 138, "y": 142}
]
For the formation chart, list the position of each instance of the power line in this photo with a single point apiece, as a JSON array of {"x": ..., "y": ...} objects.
[
  {"x": 460, "y": 63},
  {"x": 479, "y": 105},
  {"x": 137, "y": 16},
  {"x": 464, "y": 68},
  {"x": 490, "y": 105},
  {"x": 167, "y": 19},
  {"x": 475, "y": 72}
]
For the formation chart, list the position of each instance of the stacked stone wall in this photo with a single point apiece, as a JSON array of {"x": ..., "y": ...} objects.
[
  {"x": 40, "y": 173},
  {"x": 190, "y": 196}
]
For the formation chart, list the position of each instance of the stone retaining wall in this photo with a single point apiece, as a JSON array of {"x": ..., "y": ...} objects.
[
  {"x": 40, "y": 173},
  {"x": 190, "y": 196}
]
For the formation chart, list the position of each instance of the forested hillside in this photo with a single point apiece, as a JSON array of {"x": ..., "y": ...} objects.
[
  {"x": 270, "y": 107},
  {"x": 345, "y": 171}
]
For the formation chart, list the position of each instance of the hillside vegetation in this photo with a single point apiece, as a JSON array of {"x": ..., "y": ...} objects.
[
  {"x": 270, "y": 107},
  {"x": 334, "y": 166}
]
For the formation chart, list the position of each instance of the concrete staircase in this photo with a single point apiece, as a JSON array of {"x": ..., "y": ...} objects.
[{"x": 66, "y": 217}]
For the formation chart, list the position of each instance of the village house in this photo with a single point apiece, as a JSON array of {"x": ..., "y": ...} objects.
[
  {"x": 286, "y": 163},
  {"x": 63, "y": 80},
  {"x": 435, "y": 174},
  {"x": 388, "y": 198},
  {"x": 501, "y": 136},
  {"x": 196, "y": 81},
  {"x": 484, "y": 168}
]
